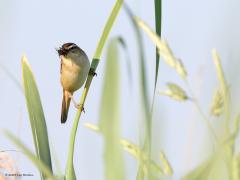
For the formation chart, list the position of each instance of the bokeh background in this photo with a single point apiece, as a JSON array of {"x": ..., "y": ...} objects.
[{"x": 192, "y": 28}]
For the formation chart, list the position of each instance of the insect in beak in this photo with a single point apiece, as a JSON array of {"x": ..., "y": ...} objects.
[{"x": 61, "y": 51}]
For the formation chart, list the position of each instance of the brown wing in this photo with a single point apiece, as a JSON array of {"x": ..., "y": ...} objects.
[{"x": 65, "y": 106}]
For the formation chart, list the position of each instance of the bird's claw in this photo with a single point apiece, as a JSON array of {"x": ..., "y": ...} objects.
[
  {"x": 79, "y": 106},
  {"x": 92, "y": 72},
  {"x": 76, "y": 105}
]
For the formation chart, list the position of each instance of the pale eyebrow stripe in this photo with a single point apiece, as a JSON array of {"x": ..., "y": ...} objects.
[{"x": 72, "y": 46}]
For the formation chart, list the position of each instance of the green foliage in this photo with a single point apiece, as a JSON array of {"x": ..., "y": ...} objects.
[
  {"x": 223, "y": 163},
  {"x": 158, "y": 28},
  {"x": 70, "y": 173},
  {"x": 225, "y": 158},
  {"x": 145, "y": 105},
  {"x": 123, "y": 44},
  {"x": 36, "y": 115},
  {"x": 47, "y": 173},
  {"x": 110, "y": 115},
  {"x": 107, "y": 28},
  {"x": 140, "y": 155}
]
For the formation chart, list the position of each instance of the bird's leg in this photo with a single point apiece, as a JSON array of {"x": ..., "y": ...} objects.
[
  {"x": 76, "y": 105},
  {"x": 92, "y": 72}
]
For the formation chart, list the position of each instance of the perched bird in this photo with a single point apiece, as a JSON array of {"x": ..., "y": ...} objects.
[{"x": 74, "y": 70}]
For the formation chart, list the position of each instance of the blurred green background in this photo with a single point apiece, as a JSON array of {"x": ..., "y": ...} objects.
[{"x": 192, "y": 29}]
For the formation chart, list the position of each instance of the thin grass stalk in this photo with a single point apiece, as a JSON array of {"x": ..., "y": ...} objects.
[
  {"x": 144, "y": 92},
  {"x": 205, "y": 118},
  {"x": 70, "y": 174},
  {"x": 158, "y": 27}
]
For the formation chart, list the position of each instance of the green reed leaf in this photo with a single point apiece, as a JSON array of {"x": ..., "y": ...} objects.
[
  {"x": 158, "y": 27},
  {"x": 36, "y": 115},
  {"x": 47, "y": 173},
  {"x": 123, "y": 44},
  {"x": 70, "y": 173},
  {"x": 108, "y": 28},
  {"x": 110, "y": 115},
  {"x": 145, "y": 105}
]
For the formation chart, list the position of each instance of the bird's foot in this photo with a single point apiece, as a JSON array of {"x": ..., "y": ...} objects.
[
  {"x": 76, "y": 105},
  {"x": 79, "y": 106},
  {"x": 92, "y": 72}
]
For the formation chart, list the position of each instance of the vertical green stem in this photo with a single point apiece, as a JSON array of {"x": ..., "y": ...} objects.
[
  {"x": 144, "y": 91},
  {"x": 70, "y": 174},
  {"x": 158, "y": 27}
]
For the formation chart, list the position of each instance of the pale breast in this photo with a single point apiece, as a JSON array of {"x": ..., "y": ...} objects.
[{"x": 74, "y": 72}]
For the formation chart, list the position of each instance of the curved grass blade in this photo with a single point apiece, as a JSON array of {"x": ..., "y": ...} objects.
[
  {"x": 158, "y": 27},
  {"x": 144, "y": 94},
  {"x": 128, "y": 62},
  {"x": 38, "y": 163},
  {"x": 36, "y": 115},
  {"x": 70, "y": 173},
  {"x": 110, "y": 116},
  {"x": 108, "y": 28},
  {"x": 142, "y": 61}
]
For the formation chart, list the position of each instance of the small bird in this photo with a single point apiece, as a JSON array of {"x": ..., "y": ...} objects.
[{"x": 75, "y": 66}]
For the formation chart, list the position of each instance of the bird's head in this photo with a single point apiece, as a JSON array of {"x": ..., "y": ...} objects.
[{"x": 69, "y": 48}]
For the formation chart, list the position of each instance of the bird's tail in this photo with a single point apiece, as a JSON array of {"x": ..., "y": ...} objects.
[{"x": 65, "y": 106}]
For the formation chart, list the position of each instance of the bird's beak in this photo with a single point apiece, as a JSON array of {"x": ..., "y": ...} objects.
[{"x": 61, "y": 51}]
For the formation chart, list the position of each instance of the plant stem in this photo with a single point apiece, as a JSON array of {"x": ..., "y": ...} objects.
[
  {"x": 70, "y": 174},
  {"x": 196, "y": 103}
]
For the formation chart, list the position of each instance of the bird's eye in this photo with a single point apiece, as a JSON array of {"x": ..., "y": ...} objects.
[{"x": 74, "y": 51}]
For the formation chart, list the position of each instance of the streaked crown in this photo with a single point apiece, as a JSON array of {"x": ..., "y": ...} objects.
[{"x": 66, "y": 48}]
